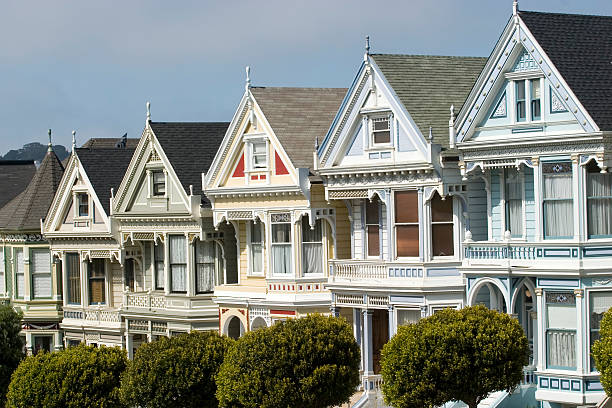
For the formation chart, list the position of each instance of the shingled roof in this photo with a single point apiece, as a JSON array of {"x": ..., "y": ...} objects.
[
  {"x": 298, "y": 116},
  {"x": 23, "y": 213},
  {"x": 105, "y": 168},
  {"x": 580, "y": 47},
  {"x": 14, "y": 178},
  {"x": 108, "y": 143},
  {"x": 427, "y": 85},
  {"x": 190, "y": 148}
]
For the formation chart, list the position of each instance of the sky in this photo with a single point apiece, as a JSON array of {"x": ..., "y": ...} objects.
[{"x": 91, "y": 66}]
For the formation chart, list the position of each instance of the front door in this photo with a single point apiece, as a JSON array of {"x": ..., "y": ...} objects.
[{"x": 380, "y": 335}]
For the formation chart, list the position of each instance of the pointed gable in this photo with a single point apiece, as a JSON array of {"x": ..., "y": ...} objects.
[
  {"x": 25, "y": 211},
  {"x": 580, "y": 47},
  {"x": 428, "y": 85},
  {"x": 298, "y": 116}
]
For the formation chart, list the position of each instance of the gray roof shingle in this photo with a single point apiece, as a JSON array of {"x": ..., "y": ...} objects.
[
  {"x": 105, "y": 168},
  {"x": 14, "y": 178},
  {"x": 298, "y": 116},
  {"x": 190, "y": 148},
  {"x": 23, "y": 213},
  {"x": 580, "y": 47},
  {"x": 109, "y": 142},
  {"x": 427, "y": 85}
]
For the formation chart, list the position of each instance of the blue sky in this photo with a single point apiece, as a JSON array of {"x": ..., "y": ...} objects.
[{"x": 91, "y": 66}]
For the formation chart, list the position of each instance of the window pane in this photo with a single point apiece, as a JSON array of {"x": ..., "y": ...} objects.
[
  {"x": 372, "y": 211},
  {"x": 96, "y": 282},
  {"x": 256, "y": 235},
  {"x": 373, "y": 240},
  {"x": 83, "y": 200},
  {"x": 381, "y": 124},
  {"x": 20, "y": 275},
  {"x": 558, "y": 200},
  {"x": 441, "y": 210},
  {"x": 281, "y": 233},
  {"x": 406, "y": 316},
  {"x": 561, "y": 317},
  {"x": 40, "y": 267},
  {"x": 442, "y": 239},
  {"x": 178, "y": 263},
  {"x": 205, "y": 266},
  {"x": 406, "y": 206},
  {"x": 599, "y": 203},
  {"x": 382, "y": 136},
  {"x": 160, "y": 275},
  {"x": 2, "y": 272},
  {"x": 74, "y": 278},
  {"x": 256, "y": 247},
  {"x": 311, "y": 235},
  {"x": 514, "y": 202},
  {"x": 520, "y": 90},
  {"x": 159, "y": 183},
  {"x": 259, "y": 148},
  {"x": 281, "y": 258},
  {"x": 130, "y": 279},
  {"x": 520, "y": 101},
  {"x": 535, "y": 99},
  {"x": 407, "y": 240}
]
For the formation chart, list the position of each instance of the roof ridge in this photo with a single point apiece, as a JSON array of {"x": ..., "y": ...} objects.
[
  {"x": 425, "y": 55},
  {"x": 299, "y": 87},
  {"x": 564, "y": 14}
]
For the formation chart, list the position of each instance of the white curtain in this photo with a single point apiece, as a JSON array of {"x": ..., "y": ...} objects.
[
  {"x": 561, "y": 348},
  {"x": 256, "y": 247},
  {"x": 514, "y": 203},
  {"x": 406, "y": 316},
  {"x": 599, "y": 213},
  {"x": 205, "y": 266},
  {"x": 40, "y": 266},
  {"x": 558, "y": 206},
  {"x": 600, "y": 303},
  {"x": 178, "y": 263},
  {"x": 312, "y": 247},
  {"x": 160, "y": 275},
  {"x": 281, "y": 258},
  {"x": 20, "y": 273}
]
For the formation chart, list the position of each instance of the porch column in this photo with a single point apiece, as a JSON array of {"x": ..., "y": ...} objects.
[
  {"x": 534, "y": 337},
  {"x": 357, "y": 326},
  {"x": 166, "y": 265},
  {"x": 190, "y": 272},
  {"x": 129, "y": 345},
  {"x": 368, "y": 351},
  {"x": 540, "y": 328},
  {"x": 84, "y": 283},
  {"x": 58, "y": 344},
  {"x": 391, "y": 322},
  {"x": 580, "y": 352},
  {"x": 64, "y": 273},
  {"x": 537, "y": 176},
  {"x": 334, "y": 311}
]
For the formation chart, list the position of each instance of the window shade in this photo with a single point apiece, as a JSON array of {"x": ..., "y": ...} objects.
[
  {"x": 40, "y": 267},
  {"x": 178, "y": 263}
]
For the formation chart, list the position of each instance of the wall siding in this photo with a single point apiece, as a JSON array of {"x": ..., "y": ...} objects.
[
  {"x": 530, "y": 221},
  {"x": 477, "y": 210},
  {"x": 496, "y": 206}
]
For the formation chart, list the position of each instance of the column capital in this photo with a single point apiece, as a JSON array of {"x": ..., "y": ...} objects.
[
  {"x": 575, "y": 158},
  {"x": 539, "y": 291},
  {"x": 535, "y": 160},
  {"x": 579, "y": 292}
]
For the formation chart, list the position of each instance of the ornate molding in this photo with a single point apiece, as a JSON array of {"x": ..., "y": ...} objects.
[
  {"x": 530, "y": 150},
  {"x": 25, "y": 238}
]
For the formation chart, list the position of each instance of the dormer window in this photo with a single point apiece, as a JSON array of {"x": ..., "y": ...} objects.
[
  {"x": 381, "y": 130},
  {"x": 83, "y": 204},
  {"x": 259, "y": 155},
  {"x": 528, "y": 99},
  {"x": 159, "y": 183}
]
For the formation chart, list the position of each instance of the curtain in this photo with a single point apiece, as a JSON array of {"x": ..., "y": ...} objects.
[
  {"x": 256, "y": 247},
  {"x": 74, "y": 278},
  {"x": 599, "y": 203},
  {"x": 312, "y": 247},
  {"x": 178, "y": 263},
  {"x": 40, "y": 267},
  {"x": 281, "y": 258},
  {"x": 558, "y": 206},
  {"x": 406, "y": 316},
  {"x": 20, "y": 273},
  {"x": 514, "y": 203},
  {"x": 561, "y": 348},
  {"x": 160, "y": 275},
  {"x": 205, "y": 266}
]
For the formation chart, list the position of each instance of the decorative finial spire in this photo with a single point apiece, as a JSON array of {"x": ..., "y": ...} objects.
[
  {"x": 247, "y": 84},
  {"x": 515, "y": 7},
  {"x": 148, "y": 111},
  {"x": 316, "y": 146},
  {"x": 50, "y": 145},
  {"x": 367, "y": 48},
  {"x": 430, "y": 135},
  {"x": 451, "y": 127},
  {"x": 73, "y": 141}
]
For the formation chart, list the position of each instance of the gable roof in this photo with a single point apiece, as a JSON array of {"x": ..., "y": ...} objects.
[
  {"x": 190, "y": 147},
  {"x": 109, "y": 142},
  {"x": 580, "y": 47},
  {"x": 25, "y": 211},
  {"x": 298, "y": 116},
  {"x": 14, "y": 178},
  {"x": 105, "y": 168},
  {"x": 427, "y": 85}
]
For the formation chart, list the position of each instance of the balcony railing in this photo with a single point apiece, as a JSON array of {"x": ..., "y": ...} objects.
[
  {"x": 355, "y": 269},
  {"x": 156, "y": 302},
  {"x": 359, "y": 270},
  {"x": 145, "y": 300},
  {"x": 97, "y": 315}
]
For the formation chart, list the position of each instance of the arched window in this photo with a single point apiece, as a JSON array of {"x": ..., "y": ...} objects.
[{"x": 234, "y": 328}]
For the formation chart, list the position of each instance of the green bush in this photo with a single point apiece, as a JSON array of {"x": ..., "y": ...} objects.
[
  {"x": 308, "y": 362},
  {"x": 78, "y": 377},
  {"x": 175, "y": 372},
  {"x": 11, "y": 346},
  {"x": 458, "y": 355},
  {"x": 602, "y": 353}
]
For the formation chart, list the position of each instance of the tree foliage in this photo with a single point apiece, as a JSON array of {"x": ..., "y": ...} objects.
[
  {"x": 78, "y": 377},
  {"x": 11, "y": 346},
  {"x": 308, "y": 362},
  {"x": 458, "y": 355},
  {"x": 175, "y": 372},
  {"x": 602, "y": 352}
]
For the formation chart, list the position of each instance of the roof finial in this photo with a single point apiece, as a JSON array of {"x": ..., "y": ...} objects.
[
  {"x": 515, "y": 7},
  {"x": 451, "y": 127},
  {"x": 247, "y": 85},
  {"x": 73, "y": 141},
  {"x": 148, "y": 111},
  {"x": 316, "y": 146},
  {"x": 50, "y": 145},
  {"x": 367, "y": 48},
  {"x": 430, "y": 135}
]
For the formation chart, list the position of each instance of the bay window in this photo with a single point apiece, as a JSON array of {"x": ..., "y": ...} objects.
[
  {"x": 558, "y": 200},
  {"x": 442, "y": 226},
  {"x": 73, "y": 273},
  {"x": 599, "y": 303},
  {"x": 158, "y": 264},
  {"x": 205, "y": 266},
  {"x": 407, "y": 223},
  {"x": 312, "y": 247},
  {"x": 96, "y": 279},
  {"x": 561, "y": 330},
  {"x": 40, "y": 268},
  {"x": 256, "y": 247},
  {"x": 513, "y": 196},
  {"x": 599, "y": 202},
  {"x": 19, "y": 273},
  {"x": 372, "y": 218},
  {"x": 281, "y": 243},
  {"x": 178, "y": 263}
]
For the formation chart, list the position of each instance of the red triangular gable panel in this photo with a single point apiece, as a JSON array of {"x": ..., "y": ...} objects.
[
  {"x": 280, "y": 166},
  {"x": 239, "y": 171}
]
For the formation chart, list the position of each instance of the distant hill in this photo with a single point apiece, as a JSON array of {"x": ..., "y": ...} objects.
[{"x": 34, "y": 151}]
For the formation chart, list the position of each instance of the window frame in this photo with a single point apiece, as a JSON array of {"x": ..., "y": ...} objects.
[
  {"x": 532, "y": 99},
  {"x": 67, "y": 267},
  {"x": 250, "y": 243},
  {"x": 17, "y": 272},
  {"x": 543, "y": 199},
  {"x": 80, "y": 203},
  {"x": 396, "y": 224},
  {"x": 377, "y": 225},
  {"x": 159, "y": 247},
  {"x": 287, "y": 221},
  {"x": 171, "y": 264},
  {"x": 155, "y": 192},
  {"x": 214, "y": 263},
  {"x": 450, "y": 222},
  {"x": 3, "y": 290},
  {"x": 33, "y": 272},
  {"x": 587, "y": 198},
  {"x": 374, "y": 118},
  {"x": 321, "y": 243},
  {"x": 91, "y": 267},
  {"x": 573, "y": 307},
  {"x": 521, "y": 178},
  {"x": 518, "y": 101}
]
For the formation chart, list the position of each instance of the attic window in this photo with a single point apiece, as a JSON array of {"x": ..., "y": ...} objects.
[
  {"x": 381, "y": 130},
  {"x": 159, "y": 183},
  {"x": 259, "y": 155},
  {"x": 83, "y": 203}
]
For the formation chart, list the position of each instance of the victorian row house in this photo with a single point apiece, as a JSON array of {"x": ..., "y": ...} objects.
[{"x": 432, "y": 182}]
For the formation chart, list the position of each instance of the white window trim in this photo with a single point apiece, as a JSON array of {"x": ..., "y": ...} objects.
[
  {"x": 381, "y": 146},
  {"x": 250, "y": 271},
  {"x": 249, "y": 141},
  {"x": 82, "y": 221},
  {"x": 324, "y": 248},
  {"x": 268, "y": 235},
  {"x": 527, "y": 77},
  {"x": 504, "y": 221},
  {"x": 455, "y": 224},
  {"x": 150, "y": 171},
  {"x": 394, "y": 227},
  {"x": 365, "y": 231}
]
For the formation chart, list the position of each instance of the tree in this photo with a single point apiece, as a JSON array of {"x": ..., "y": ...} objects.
[
  {"x": 11, "y": 346},
  {"x": 307, "y": 362},
  {"x": 81, "y": 376},
  {"x": 458, "y": 355},
  {"x": 34, "y": 151},
  {"x": 175, "y": 372},
  {"x": 602, "y": 352}
]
